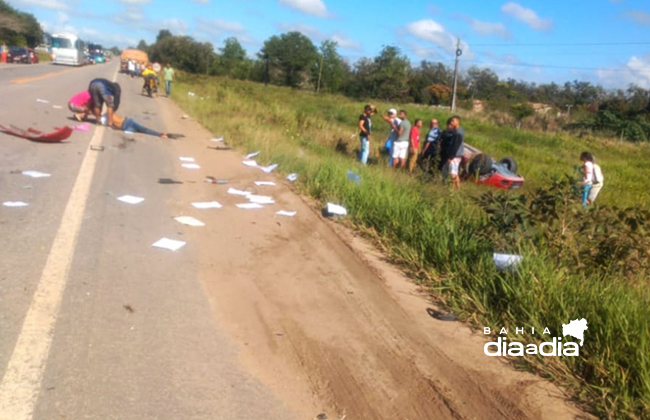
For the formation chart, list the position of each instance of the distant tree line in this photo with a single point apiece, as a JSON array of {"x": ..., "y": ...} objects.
[
  {"x": 291, "y": 59},
  {"x": 18, "y": 28}
]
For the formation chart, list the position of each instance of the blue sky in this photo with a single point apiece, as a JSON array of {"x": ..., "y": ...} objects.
[{"x": 495, "y": 34}]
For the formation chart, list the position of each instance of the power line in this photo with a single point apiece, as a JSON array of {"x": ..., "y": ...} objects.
[
  {"x": 564, "y": 44},
  {"x": 550, "y": 66}
]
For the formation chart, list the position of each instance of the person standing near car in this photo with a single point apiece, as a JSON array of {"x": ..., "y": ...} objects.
[
  {"x": 394, "y": 123},
  {"x": 414, "y": 147},
  {"x": 401, "y": 146},
  {"x": 168, "y": 76},
  {"x": 102, "y": 92},
  {"x": 452, "y": 150}
]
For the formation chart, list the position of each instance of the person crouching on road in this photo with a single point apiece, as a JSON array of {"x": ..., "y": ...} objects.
[
  {"x": 414, "y": 149},
  {"x": 80, "y": 105},
  {"x": 401, "y": 146},
  {"x": 365, "y": 129},
  {"x": 106, "y": 92}
]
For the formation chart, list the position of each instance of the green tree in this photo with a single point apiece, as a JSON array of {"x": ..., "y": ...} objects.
[
  {"x": 232, "y": 61},
  {"x": 334, "y": 68},
  {"x": 18, "y": 28},
  {"x": 185, "y": 53},
  {"x": 521, "y": 111},
  {"x": 142, "y": 46},
  {"x": 390, "y": 77},
  {"x": 292, "y": 53},
  {"x": 162, "y": 34}
]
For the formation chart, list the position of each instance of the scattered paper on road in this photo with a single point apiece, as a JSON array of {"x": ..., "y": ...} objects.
[
  {"x": 265, "y": 183},
  {"x": 57, "y": 107},
  {"x": 81, "y": 127},
  {"x": 36, "y": 174},
  {"x": 506, "y": 261},
  {"x": 286, "y": 213},
  {"x": 15, "y": 204},
  {"x": 354, "y": 177},
  {"x": 218, "y": 139},
  {"x": 292, "y": 177},
  {"x": 270, "y": 168},
  {"x": 130, "y": 199},
  {"x": 186, "y": 159},
  {"x": 189, "y": 220},
  {"x": 207, "y": 205},
  {"x": 250, "y": 206},
  {"x": 191, "y": 166},
  {"x": 43, "y": 101},
  {"x": 250, "y": 163},
  {"x": 234, "y": 191},
  {"x": 260, "y": 199},
  {"x": 170, "y": 244},
  {"x": 337, "y": 210},
  {"x": 252, "y": 155}
]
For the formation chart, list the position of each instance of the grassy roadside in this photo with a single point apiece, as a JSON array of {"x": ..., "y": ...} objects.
[
  {"x": 436, "y": 235},
  {"x": 43, "y": 57}
]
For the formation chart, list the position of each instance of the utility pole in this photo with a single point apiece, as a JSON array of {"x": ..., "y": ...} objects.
[
  {"x": 459, "y": 52},
  {"x": 320, "y": 72}
]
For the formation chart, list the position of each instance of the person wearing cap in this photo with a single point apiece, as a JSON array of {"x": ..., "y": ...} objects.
[
  {"x": 394, "y": 123},
  {"x": 401, "y": 146},
  {"x": 365, "y": 129}
]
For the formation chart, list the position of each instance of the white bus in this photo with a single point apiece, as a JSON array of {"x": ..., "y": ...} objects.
[{"x": 67, "y": 49}]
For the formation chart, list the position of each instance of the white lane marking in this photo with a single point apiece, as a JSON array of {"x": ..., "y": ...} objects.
[{"x": 21, "y": 383}]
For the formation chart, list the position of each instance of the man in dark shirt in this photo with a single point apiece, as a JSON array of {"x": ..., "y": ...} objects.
[
  {"x": 452, "y": 149},
  {"x": 365, "y": 129},
  {"x": 102, "y": 92}
]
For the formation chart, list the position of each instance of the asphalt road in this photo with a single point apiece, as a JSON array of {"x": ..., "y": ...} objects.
[{"x": 99, "y": 324}]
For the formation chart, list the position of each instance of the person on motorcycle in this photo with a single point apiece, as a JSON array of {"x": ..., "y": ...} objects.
[{"x": 149, "y": 74}]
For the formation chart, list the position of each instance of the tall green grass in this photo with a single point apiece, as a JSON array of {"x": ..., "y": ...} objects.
[{"x": 434, "y": 233}]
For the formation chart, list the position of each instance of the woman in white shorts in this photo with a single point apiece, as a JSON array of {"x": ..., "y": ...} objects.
[{"x": 597, "y": 184}]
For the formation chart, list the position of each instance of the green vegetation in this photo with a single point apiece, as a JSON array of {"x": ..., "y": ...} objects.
[
  {"x": 18, "y": 28},
  {"x": 445, "y": 240},
  {"x": 43, "y": 56}
]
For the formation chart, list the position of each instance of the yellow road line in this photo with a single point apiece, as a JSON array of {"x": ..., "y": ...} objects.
[
  {"x": 42, "y": 77},
  {"x": 22, "y": 380}
]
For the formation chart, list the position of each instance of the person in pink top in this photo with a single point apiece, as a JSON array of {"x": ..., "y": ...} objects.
[
  {"x": 414, "y": 146},
  {"x": 80, "y": 104}
]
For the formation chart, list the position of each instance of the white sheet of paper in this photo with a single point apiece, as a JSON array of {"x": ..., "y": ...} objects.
[
  {"x": 130, "y": 199},
  {"x": 191, "y": 166},
  {"x": 292, "y": 177},
  {"x": 270, "y": 168},
  {"x": 260, "y": 199},
  {"x": 170, "y": 244},
  {"x": 250, "y": 163},
  {"x": 234, "y": 191},
  {"x": 250, "y": 206},
  {"x": 57, "y": 107},
  {"x": 15, "y": 204},
  {"x": 218, "y": 140},
  {"x": 36, "y": 174},
  {"x": 43, "y": 101},
  {"x": 336, "y": 209},
  {"x": 286, "y": 213},
  {"x": 252, "y": 155},
  {"x": 207, "y": 205},
  {"x": 265, "y": 183},
  {"x": 189, "y": 220},
  {"x": 186, "y": 159}
]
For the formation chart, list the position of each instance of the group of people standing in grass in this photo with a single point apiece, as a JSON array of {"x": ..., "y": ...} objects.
[{"x": 441, "y": 149}]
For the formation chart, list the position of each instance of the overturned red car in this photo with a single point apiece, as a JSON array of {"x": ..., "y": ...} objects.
[{"x": 482, "y": 169}]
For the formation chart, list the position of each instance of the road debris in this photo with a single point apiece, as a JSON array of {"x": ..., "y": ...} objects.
[
  {"x": 218, "y": 139},
  {"x": 270, "y": 168},
  {"x": 213, "y": 180},
  {"x": 59, "y": 134},
  {"x": 250, "y": 206},
  {"x": 504, "y": 262},
  {"x": 207, "y": 205},
  {"x": 15, "y": 204},
  {"x": 168, "y": 181},
  {"x": 36, "y": 174},
  {"x": 97, "y": 148},
  {"x": 220, "y": 148},
  {"x": 286, "y": 213},
  {"x": 169, "y": 244},
  {"x": 292, "y": 177},
  {"x": 81, "y": 127},
  {"x": 260, "y": 199},
  {"x": 130, "y": 199},
  {"x": 57, "y": 107},
  {"x": 441, "y": 316},
  {"x": 252, "y": 155},
  {"x": 251, "y": 163},
  {"x": 129, "y": 308},
  {"x": 43, "y": 101},
  {"x": 186, "y": 159},
  {"x": 191, "y": 166},
  {"x": 189, "y": 221},
  {"x": 235, "y": 191},
  {"x": 356, "y": 178},
  {"x": 265, "y": 183},
  {"x": 335, "y": 210}
]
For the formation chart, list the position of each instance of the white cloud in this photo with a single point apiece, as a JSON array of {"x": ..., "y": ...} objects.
[
  {"x": 489, "y": 28},
  {"x": 47, "y": 4},
  {"x": 318, "y": 36},
  {"x": 639, "y": 16},
  {"x": 636, "y": 71},
  {"x": 311, "y": 7},
  {"x": 202, "y": 1},
  {"x": 528, "y": 16},
  {"x": 431, "y": 31}
]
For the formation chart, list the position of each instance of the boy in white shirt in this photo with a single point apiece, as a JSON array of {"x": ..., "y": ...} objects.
[
  {"x": 597, "y": 184},
  {"x": 588, "y": 176}
]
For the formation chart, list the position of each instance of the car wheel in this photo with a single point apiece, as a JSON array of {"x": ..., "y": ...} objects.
[
  {"x": 481, "y": 164},
  {"x": 510, "y": 164}
]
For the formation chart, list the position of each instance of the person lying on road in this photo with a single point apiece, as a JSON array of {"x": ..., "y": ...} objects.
[{"x": 129, "y": 124}]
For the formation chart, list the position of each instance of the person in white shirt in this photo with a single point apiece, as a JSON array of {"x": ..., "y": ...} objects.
[
  {"x": 394, "y": 123},
  {"x": 587, "y": 177},
  {"x": 597, "y": 183}
]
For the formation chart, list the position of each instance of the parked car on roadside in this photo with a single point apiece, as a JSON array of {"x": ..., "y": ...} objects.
[
  {"x": 22, "y": 55},
  {"x": 88, "y": 59},
  {"x": 98, "y": 58}
]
